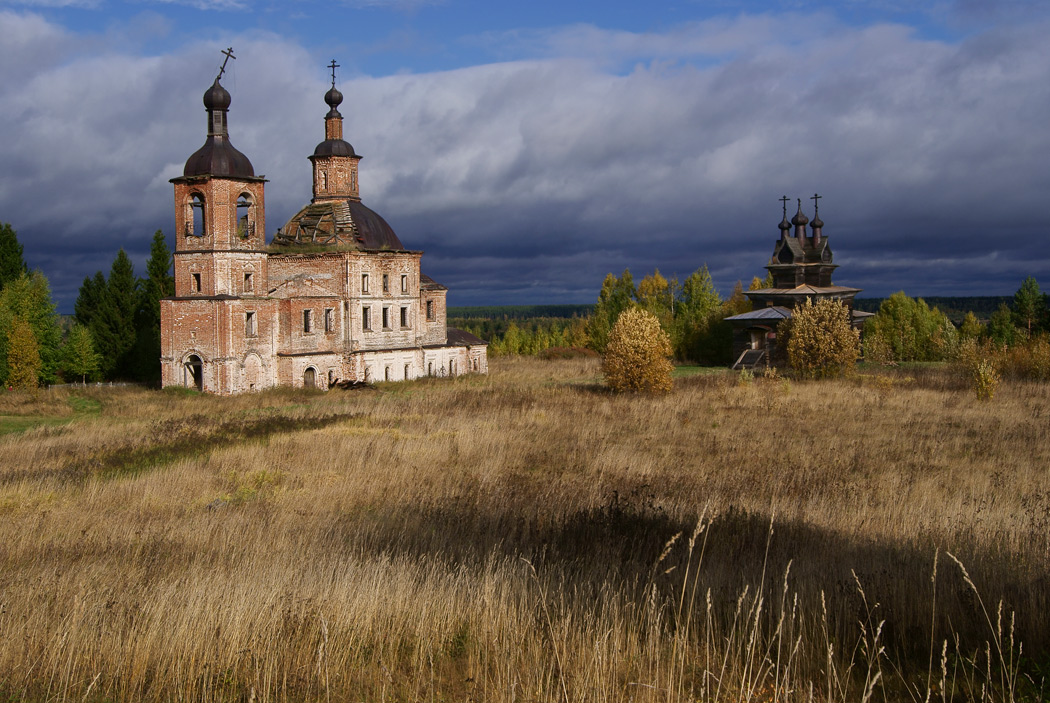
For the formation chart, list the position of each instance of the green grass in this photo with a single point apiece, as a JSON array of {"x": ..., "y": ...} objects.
[
  {"x": 686, "y": 371},
  {"x": 82, "y": 407}
]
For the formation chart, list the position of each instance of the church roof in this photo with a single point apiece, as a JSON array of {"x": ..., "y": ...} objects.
[
  {"x": 804, "y": 291},
  {"x": 339, "y": 223},
  {"x": 772, "y": 314},
  {"x": 218, "y": 157},
  {"x": 459, "y": 338},
  {"x": 428, "y": 283}
]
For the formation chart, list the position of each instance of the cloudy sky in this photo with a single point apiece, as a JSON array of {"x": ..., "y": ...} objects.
[{"x": 531, "y": 148}]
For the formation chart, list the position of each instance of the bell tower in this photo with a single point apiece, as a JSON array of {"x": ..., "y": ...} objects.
[
  {"x": 220, "y": 219},
  {"x": 334, "y": 160}
]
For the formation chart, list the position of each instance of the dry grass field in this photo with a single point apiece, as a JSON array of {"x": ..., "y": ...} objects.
[{"x": 528, "y": 536}]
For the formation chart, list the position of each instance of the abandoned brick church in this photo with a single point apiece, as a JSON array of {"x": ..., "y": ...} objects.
[{"x": 333, "y": 297}]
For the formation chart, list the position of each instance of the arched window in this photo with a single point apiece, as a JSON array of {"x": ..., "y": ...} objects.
[
  {"x": 245, "y": 216},
  {"x": 195, "y": 217}
]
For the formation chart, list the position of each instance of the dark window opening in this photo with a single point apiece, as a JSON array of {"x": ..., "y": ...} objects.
[
  {"x": 386, "y": 283},
  {"x": 195, "y": 223},
  {"x": 307, "y": 321},
  {"x": 404, "y": 317},
  {"x": 247, "y": 283},
  {"x": 249, "y": 324},
  {"x": 430, "y": 310},
  {"x": 196, "y": 282},
  {"x": 329, "y": 323},
  {"x": 366, "y": 318},
  {"x": 386, "y": 318},
  {"x": 245, "y": 225}
]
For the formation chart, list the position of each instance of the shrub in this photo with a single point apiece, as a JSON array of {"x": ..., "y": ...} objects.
[
  {"x": 822, "y": 342},
  {"x": 638, "y": 355}
]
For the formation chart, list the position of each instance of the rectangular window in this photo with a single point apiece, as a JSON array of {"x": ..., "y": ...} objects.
[
  {"x": 386, "y": 318},
  {"x": 249, "y": 324},
  {"x": 329, "y": 322},
  {"x": 364, "y": 282},
  {"x": 386, "y": 283},
  {"x": 308, "y": 321},
  {"x": 247, "y": 283},
  {"x": 430, "y": 309},
  {"x": 404, "y": 283},
  {"x": 404, "y": 317},
  {"x": 366, "y": 318},
  {"x": 196, "y": 282}
]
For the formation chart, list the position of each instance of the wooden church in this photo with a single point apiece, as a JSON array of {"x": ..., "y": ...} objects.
[{"x": 801, "y": 268}]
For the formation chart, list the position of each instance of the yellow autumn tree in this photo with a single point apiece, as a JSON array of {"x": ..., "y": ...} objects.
[
  {"x": 23, "y": 355},
  {"x": 638, "y": 356},
  {"x": 821, "y": 341}
]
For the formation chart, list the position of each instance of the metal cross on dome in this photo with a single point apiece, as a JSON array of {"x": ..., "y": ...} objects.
[
  {"x": 333, "y": 66},
  {"x": 784, "y": 200},
  {"x": 816, "y": 203},
  {"x": 229, "y": 55}
]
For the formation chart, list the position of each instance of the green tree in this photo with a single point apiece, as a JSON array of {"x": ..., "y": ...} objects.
[
  {"x": 617, "y": 294},
  {"x": 1001, "y": 328},
  {"x": 23, "y": 355},
  {"x": 970, "y": 328},
  {"x": 29, "y": 297},
  {"x": 638, "y": 355},
  {"x": 911, "y": 330},
  {"x": 158, "y": 284},
  {"x": 699, "y": 306},
  {"x": 760, "y": 283},
  {"x": 78, "y": 354},
  {"x": 12, "y": 265},
  {"x": 821, "y": 340},
  {"x": 113, "y": 326},
  {"x": 89, "y": 299},
  {"x": 1029, "y": 306}
]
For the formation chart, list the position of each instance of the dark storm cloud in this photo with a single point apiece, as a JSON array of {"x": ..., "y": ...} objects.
[{"x": 527, "y": 181}]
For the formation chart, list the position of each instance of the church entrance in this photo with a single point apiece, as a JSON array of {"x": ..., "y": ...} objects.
[
  {"x": 195, "y": 372},
  {"x": 310, "y": 378}
]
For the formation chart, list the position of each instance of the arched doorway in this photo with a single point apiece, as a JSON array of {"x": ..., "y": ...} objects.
[
  {"x": 310, "y": 378},
  {"x": 195, "y": 372}
]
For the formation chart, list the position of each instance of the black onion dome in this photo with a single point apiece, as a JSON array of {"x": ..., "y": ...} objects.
[
  {"x": 218, "y": 158},
  {"x": 333, "y": 97},
  {"x": 817, "y": 222},
  {"x": 799, "y": 218},
  {"x": 784, "y": 224},
  {"x": 335, "y": 147},
  {"x": 216, "y": 97}
]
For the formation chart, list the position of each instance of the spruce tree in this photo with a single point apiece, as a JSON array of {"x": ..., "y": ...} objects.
[
  {"x": 699, "y": 307},
  {"x": 12, "y": 265},
  {"x": 113, "y": 326},
  {"x": 158, "y": 284},
  {"x": 92, "y": 292}
]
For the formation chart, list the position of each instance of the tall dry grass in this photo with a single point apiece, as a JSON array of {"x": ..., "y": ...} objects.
[{"x": 529, "y": 536}]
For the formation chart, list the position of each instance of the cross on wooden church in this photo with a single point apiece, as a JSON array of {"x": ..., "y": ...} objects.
[
  {"x": 784, "y": 201},
  {"x": 229, "y": 55},
  {"x": 333, "y": 66},
  {"x": 816, "y": 203}
]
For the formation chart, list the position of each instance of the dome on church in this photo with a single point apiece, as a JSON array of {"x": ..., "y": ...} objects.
[
  {"x": 339, "y": 223},
  {"x": 216, "y": 97},
  {"x": 218, "y": 157},
  {"x": 335, "y": 147},
  {"x": 799, "y": 218}
]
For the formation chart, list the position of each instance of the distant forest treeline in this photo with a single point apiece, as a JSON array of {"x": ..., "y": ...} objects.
[{"x": 955, "y": 307}]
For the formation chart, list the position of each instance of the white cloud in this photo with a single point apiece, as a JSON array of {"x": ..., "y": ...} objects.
[{"x": 564, "y": 168}]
